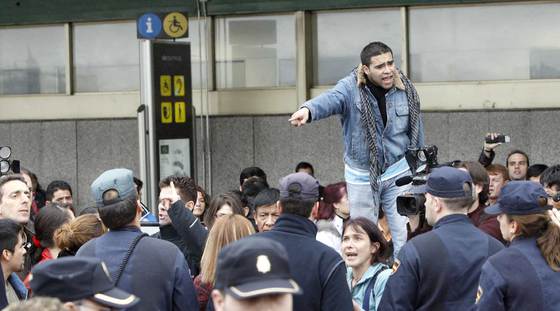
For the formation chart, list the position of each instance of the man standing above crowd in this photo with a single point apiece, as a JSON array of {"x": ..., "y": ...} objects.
[
  {"x": 380, "y": 113},
  {"x": 439, "y": 270},
  {"x": 152, "y": 269}
]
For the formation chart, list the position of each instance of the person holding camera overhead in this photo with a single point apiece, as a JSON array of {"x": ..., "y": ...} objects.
[
  {"x": 380, "y": 114},
  {"x": 439, "y": 270}
]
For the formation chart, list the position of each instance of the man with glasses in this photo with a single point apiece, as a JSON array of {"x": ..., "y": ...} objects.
[{"x": 14, "y": 246}]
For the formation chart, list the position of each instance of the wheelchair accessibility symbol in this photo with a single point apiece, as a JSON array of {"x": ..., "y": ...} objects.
[{"x": 175, "y": 24}]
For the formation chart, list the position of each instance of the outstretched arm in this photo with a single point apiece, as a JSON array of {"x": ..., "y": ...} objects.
[{"x": 333, "y": 101}]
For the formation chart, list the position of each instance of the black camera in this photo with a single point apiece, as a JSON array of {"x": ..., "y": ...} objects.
[{"x": 421, "y": 161}]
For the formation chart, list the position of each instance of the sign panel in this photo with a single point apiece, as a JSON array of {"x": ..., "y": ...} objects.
[
  {"x": 170, "y": 25},
  {"x": 173, "y": 157},
  {"x": 173, "y": 113}
]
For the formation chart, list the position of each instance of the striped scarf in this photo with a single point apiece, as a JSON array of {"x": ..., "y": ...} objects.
[{"x": 368, "y": 123}]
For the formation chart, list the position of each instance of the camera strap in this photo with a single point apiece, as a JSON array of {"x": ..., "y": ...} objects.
[
  {"x": 369, "y": 289},
  {"x": 131, "y": 248}
]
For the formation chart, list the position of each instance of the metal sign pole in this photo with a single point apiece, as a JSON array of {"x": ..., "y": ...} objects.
[{"x": 146, "y": 99}]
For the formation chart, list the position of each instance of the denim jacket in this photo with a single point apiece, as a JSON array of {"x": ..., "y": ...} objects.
[{"x": 344, "y": 100}]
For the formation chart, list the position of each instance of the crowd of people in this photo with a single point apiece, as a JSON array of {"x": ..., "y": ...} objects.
[{"x": 482, "y": 236}]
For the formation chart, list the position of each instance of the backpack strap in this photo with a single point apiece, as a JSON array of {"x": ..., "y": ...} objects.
[
  {"x": 369, "y": 289},
  {"x": 126, "y": 257}
]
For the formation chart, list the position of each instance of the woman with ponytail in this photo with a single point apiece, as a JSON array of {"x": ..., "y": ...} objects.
[
  {"x": 71, "y": 236},
  {"x": 526, "y": 275},
  {"x": 332, "y": 212}
]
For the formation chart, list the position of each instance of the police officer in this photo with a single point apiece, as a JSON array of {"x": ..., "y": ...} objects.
[
  {"x": 526, "y": 275},
  {"x": 439, "y": 270}
]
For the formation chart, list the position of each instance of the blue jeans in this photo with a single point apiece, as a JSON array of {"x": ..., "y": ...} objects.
[{"x": 364, "y": 203}]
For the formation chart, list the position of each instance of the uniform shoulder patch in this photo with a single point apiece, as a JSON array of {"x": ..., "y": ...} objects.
[
  {"x": 479, "y": 293},
  {"x": 395, "y": 266}
]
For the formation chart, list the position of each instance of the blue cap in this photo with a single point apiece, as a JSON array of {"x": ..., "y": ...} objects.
[
  {"x": 76, "y": 278},
  {"x": 301, "y": 186},
  {"x": 520, "y": 198},
  {"x": 254, "y": 266},
  {"x": 446, "y": 182},
  {"x": 120, "y": 180}
]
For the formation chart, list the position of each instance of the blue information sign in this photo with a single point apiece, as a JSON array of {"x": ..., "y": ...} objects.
[{"x": 149, "y": 26}]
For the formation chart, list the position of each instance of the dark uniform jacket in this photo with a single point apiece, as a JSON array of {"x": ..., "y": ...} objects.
[
  {"x": 156, "y": 272},
  {"x": 317, "y": 268},
  {"x": 518, "y": 278},
  {"x": 187, "y": 233},
  {"x": 439, "y": 270}
]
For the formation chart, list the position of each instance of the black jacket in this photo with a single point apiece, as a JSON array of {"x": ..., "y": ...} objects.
[
  {"x": 187, "y": 233},
  {"x": 485, "y": 160},
  {"x": 317, "y": 268}
]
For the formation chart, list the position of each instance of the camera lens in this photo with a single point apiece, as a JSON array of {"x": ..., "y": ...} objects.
[
  {"x": 4, "y": 166},
  {"x": 422, "y": 155},
  {"x": 5, "y": 152}
]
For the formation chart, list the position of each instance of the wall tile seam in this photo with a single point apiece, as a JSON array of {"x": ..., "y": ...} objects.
[{"x": 77, "y": 166}]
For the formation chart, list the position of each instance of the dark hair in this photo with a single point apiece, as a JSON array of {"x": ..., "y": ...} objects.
[
  {"x": 373, "y": 49},
  {"x": 370, "y": 228},
  {"x": 267, "y": 197},
  {"x": 250, "y": 172},
  {"x": 479, "y": 176},
  {"x": 118, "y": 215},
  {"x": 250, "y": 188},
  {"x": 514, "y": 152},
  {"x": 89, "y": 210},
  {"x": 298, "y": 207},
  {"x": 33, "y": 178},
  {"x": 55, "y": 186},
  {"x": 239, "y": 195},
  {"x": 7, "y": 178},
  {"x": 536, "y": 170},
  {"x": 305, "y": 165},
  {"x": 551, "y": 176},
  {"x": 206, "y": 200},
  {"x": 9, "y": 231},
  {"x": 49, "y": 218},
  {"x": 138, "y": 184},
  {"x": 185, "y": 186},
  {"x": 498, "y": 169},
  {"x": 217, "y": 202},
  {"x": 331, "y": 194}
]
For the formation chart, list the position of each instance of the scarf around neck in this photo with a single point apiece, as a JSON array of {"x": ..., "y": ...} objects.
[{"x": 368, "y": 122}]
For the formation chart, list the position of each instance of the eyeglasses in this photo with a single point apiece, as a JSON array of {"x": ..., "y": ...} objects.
[{"x": 26, "y": 246}]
